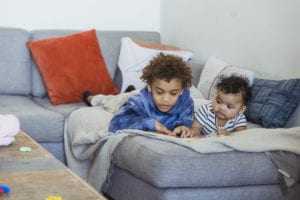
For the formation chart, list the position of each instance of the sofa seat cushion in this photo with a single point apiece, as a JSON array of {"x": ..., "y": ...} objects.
[
  {"x": 164, "y": 164},
  {"x": 63, "y": 109},
  {"x": 41, "y": 124}
]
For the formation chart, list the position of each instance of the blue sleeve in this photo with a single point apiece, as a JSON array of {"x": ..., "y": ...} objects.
[
  {"x": 131, "y": 116},
  {"x": 188, "y": 115}
]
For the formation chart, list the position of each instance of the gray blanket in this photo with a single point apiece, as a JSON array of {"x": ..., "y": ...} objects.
[{"x": 89, "y": 146}]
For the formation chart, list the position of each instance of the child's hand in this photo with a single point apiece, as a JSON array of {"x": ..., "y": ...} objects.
[
  {"x": 162, "y": 129},
  {"x": 223, "y": 132},
  {"x": 182, "y": 132}
]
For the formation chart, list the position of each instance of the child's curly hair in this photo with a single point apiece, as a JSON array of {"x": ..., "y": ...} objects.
[
  {"x": 167, "y": 67},
  {"x": 234, "y": 84}
]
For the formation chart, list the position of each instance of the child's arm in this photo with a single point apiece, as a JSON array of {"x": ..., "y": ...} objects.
[
  {"x": 131, "y": 116},
  {"x": 182, "y": 131},
  {"x": 160, "y": 128}
]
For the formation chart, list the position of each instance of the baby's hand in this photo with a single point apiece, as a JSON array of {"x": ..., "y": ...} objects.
[
  {"x": 182, "y": 131},
  {"x": 223, "y": 132},
  {"x": 162, "y": 129}
]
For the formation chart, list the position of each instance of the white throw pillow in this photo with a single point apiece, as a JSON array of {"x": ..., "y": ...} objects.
[
  {"x": 135, "y": 55},
  {"x": 215, "y": 67}
]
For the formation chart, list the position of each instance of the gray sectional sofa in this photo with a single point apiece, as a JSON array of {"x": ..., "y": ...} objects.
[{"x": 140, "y": 169}]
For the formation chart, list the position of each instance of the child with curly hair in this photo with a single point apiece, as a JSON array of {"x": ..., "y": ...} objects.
[
  {"x": 226, "y": 113},
  {"x": 164, "y": 105}
]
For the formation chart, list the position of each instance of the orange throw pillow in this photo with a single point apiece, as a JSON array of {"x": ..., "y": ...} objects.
[{"x": 70, "y": 65}]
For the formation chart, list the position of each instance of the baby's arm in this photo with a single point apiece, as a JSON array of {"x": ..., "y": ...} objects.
[
  {"x": 226, "y": 133},
  {"x": 240, "y": 128},
  {"x": 196, "y": 129},
  {"x": 223, "y": 132},
  {"x": 240, "y": 124}
]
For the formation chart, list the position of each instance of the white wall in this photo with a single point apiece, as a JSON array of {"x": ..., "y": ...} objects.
[
  {"x": 257, "y": 34},
  {"x": 77, "y": 14},
  {"x": 263, "y": 35}
]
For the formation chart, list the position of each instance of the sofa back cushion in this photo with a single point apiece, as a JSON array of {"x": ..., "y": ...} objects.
[
  {"x": 15, "y": 75},
  {"x": 109, "y": 41}
]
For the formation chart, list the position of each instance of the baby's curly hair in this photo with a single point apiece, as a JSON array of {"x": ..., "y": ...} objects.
[
  {"x": 167, "y": 67},
  {"x": 234, "y": 84}
]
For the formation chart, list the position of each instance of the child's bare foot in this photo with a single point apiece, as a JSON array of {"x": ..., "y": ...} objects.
[{"x": 87, "y": 97}]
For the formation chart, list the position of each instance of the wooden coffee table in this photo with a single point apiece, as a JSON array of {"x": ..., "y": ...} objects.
[{"x": 37, "y": 175}]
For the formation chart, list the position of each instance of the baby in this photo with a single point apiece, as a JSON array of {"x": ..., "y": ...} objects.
[{"x": 226, "y": 113}]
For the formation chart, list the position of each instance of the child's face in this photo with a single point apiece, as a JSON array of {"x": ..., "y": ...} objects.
[
  {"x": 165, "y": 94},
  {"x": 227, "y": 106}
]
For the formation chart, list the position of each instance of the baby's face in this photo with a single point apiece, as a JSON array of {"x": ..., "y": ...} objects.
[
  {"x": 227, "y": 106},
  {"x": 165, "y": 94}
]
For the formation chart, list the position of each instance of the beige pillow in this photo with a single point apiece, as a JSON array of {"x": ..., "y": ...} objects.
[{"x": 136, "y": 54}]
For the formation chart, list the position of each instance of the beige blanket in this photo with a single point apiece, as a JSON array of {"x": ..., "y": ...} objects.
[{"x": 89, "y": 146}]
